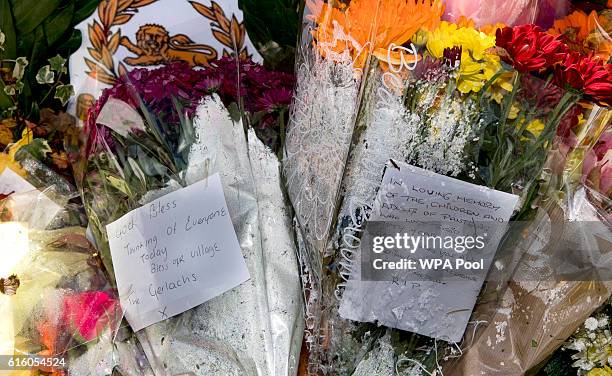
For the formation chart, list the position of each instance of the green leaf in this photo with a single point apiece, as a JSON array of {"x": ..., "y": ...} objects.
[
  {"x": 84, "y": 9},
  {"x": 19, "y": 68},
  {"x": 63, "y": 93},
  {"x": 58, "y": 64},
  {"x": 45, "y": 75},
  {"x": 119, "y": 184},
  {"x": 10, "y": 90},
  {"x": 5, "y": 101},
  {"x": 272, "y": 26},
  {"x": 38, "y": 148},
  {"x": 58, "y": 24},
  {"x": 8, "y": 28},
  {"x": 19, "y": 86},
  {"x": 29, "y": 14},
  {"x": 71, "y": 44}
]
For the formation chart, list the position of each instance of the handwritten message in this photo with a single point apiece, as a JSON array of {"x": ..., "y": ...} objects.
[
  {"x": 175, "y": 253},
  {"x": 418, "y": 198}
]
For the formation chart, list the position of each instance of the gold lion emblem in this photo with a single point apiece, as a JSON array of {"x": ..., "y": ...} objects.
[{"x": 154, "y": 46}]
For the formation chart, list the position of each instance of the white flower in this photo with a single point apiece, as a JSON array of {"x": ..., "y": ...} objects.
[
  {"x": 603, "y": 321},
  {"x": 591, "y": 323},
  {"x": 577, "y": 345},
  {"x": 584, "y": 364}
]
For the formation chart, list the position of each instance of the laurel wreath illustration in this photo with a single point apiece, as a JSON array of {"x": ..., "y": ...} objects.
[
  {"x": 104, "y": 42},
  {"x": 230, "y": 33}
]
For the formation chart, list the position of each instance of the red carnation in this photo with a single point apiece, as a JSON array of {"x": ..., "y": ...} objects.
[
  {"x": 528, "y": 48},
  {"x": 589, "y": 76}
]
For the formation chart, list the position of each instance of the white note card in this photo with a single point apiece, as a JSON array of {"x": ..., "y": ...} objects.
[
  {"x": 438, "y": 309},
  {"x": 10, "y": 181},
  {"x": 175, "y": 253}
]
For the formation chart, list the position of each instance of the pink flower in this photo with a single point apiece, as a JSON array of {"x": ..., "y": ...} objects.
[
  {"x": 89, "y": 313},
  {"x": 489, "y": 12},
  {"x": 597, "y": 166}
]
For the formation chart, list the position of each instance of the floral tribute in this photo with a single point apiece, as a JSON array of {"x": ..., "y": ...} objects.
[{"x": 471, "y": 98}]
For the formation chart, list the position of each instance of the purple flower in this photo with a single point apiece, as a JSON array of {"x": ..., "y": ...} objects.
[
  {"x": 159, "y": 89},
  {"x": 274, "y": 99}
]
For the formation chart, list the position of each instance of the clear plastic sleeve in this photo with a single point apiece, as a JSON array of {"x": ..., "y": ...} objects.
[
  {"x": 188, "y": 130},
  {"x": 453, "y": 98}
]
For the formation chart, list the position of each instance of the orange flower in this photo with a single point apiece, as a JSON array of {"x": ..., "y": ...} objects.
[
  {"x": 492, "y": 29},
  {"x": 49, "y": 334},
  {"x": 463, "y": 21},
  {"x": 371, "y": 26},
  {"x": 577, "y": 25},
  {"x": 585, "y": 33}
]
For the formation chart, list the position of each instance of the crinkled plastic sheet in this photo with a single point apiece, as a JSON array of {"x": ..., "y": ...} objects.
[{"x": 255, "y": 328}]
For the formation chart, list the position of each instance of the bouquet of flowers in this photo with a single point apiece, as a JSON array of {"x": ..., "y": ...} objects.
[
  {"x": 480, "y": 104},
  {"x": 573, "y": 201},
  {"x": 561, "y": 278},
  {"x": 49, "y": 267},
  {"x": 157, "y": 131}
]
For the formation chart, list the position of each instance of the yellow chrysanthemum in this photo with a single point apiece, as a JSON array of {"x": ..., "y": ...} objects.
[
  {"x": 477, "y": 64},
  {"x": 514, "y": 111},
  {"x": 605, "y": 371},
  {"x": 535, "y": 127},
  {"x": 420, "y": 38}
]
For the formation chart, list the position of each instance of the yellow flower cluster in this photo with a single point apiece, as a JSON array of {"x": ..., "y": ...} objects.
[
  {"x": 605, "y": 371},
  {"x": 478, "y": 65}
]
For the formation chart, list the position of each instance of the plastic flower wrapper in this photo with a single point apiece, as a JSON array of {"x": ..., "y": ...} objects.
[
  {"x": 563, "y": 275},
  {"x": 56, "y": 300},
  {"x": 338, "y": 39},
  {"x": 509, "y": 12},
  {"x": 454, "y": 104},
  {"x": 158, "y": 131},
  {"x": 35, "y": 194},
  {"x": 590, "y": 345}
]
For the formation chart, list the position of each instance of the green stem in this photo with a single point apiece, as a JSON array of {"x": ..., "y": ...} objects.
[
  {"x": 57, "y": 82},
  {"x": 568, "y": 100}
]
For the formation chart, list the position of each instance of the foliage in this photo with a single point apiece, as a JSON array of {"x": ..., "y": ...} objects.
[
  {"x": 37, "y": 31},
  {"x": 272, "y": 26}
]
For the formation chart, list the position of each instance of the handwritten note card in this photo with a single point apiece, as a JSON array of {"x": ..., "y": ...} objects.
[
  {"x": 175, "y": 253},
  {"x": 439, "y": 309}
]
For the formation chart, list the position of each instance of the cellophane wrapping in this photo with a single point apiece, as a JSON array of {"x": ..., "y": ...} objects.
[
  {"x": 175, "y": 140},
  {"x": 449, "y": 97},
  {"x": 55, "y": 297},
  {"x": 545, "y": 304}
]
